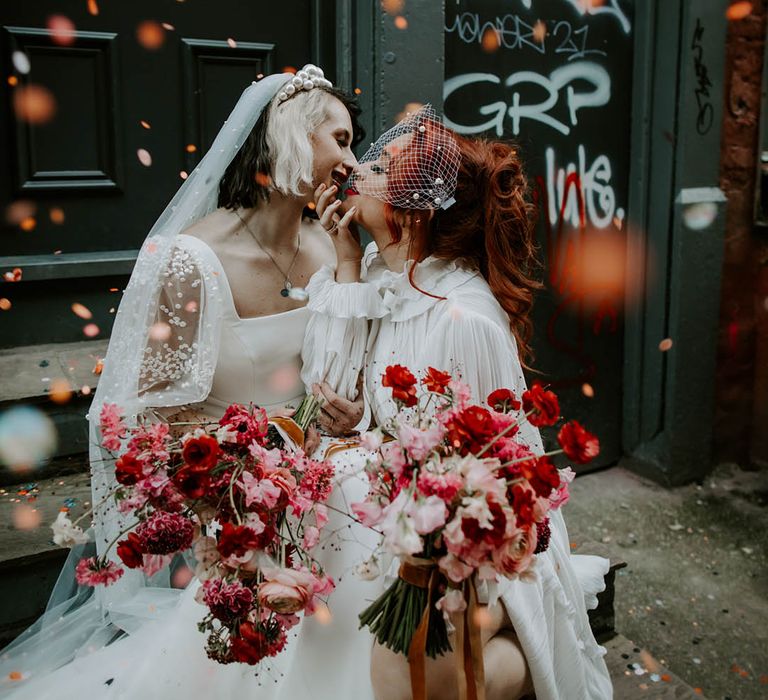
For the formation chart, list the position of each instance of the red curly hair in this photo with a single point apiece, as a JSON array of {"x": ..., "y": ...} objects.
[{"x": 489, "y": 227}]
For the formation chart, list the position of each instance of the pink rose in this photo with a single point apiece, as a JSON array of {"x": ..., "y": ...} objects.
[
  {"x": 419, "y": 443},
  {"x": 286, "y": 590},
  {"x": 516, "y": 555}
]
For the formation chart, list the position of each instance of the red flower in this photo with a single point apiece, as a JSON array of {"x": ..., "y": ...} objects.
[
  {"x": 578, "y": 443},
  {"x": 166, "y": 533},
  {"x": 131, "y": 551},
  {"x": 541, "y": 474},
  {"x": 248, "y": 424},
  {"x": 128, "y": 470},
  {"x": 503, "y": 401},
  {"x": 523, "y": 505},
  {"x": 543, "y": 403},
  {"x": 193, "y": 482},
  {"x": 201, "y": 451},
  {"x": 436, "y": 381},
  {"x": 256, "y": 642},
  {"x": 471, "y": 429},
  {"x": 493, "y": 536},
  {"x": 237, "y": 540},
  {"x": 402, "y": 382}
]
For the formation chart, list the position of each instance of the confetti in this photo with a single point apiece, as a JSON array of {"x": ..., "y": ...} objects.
[
  {"x": 183, "y": 174},
  {"x": 191, "y": 307},
  {"x": 28, "y": 224},
  {"x": 5, "y": 304},
  {"x": 401, "y": 22},
  {"x": 13, "y": 81},
  {"x": 85, "y": 390},
  {"x": 231, "y": 43},
  {"x": 587, "y": 390},
  {"x": 322, "y": 614},
  {"x": 13, "y": 275},
  {"x": 91, "y": 330},
  {"x": 15, "y": 676},
  {"x": 144, "y": 156},
  {"x": 59, "y": 391},
  {"x": 539, "y": 31},
  {"x": 19, "y": 210},
  {"x": 358, "y": 91},
  {"x": 98, "y": 368},
  {"x": 168, "y": 27},
  {"x": 699, "y": 216},
  {"x": 27, "y": 438},
  {"x": 738, "y": 10},
  {"x": 20, "y": 62},
  {"x": 93, "y": 8},
  {"x": 160, "y": 331},
  {"x": 33, "y": 104},
  {"x": 145, "y": 124},
  {"x": 62, "y": 30},
  {"x": 150, "y": 35},
  {"x": 56, "y": 214},
  {"x": 393, "y": 7},
  {"x": 491, "y": 40},
  {"x": 81, "y": 311},
  {"x": 181, "y": 577},
  {"x": 483, "y": 618},
  {"x": 263, "y": 179},
  {"x": 26, "y": 517},
  {"x": 665, "y": 344},
  {"x": 191, "y": 148}
]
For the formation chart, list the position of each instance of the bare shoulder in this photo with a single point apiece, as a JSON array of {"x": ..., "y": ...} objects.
[
  {"x": 316, "y": 242},
  {"x": 212, "y": 228}
]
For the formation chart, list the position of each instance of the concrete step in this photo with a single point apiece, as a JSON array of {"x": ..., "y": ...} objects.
[{"x": 637, "y": 674}]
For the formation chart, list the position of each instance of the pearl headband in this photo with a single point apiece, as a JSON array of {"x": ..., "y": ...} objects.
[{"x": 309, "y": 77}]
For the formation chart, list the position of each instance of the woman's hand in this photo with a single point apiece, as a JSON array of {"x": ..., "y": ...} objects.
[
  {"x": 343, "y": 233},
  {"x": 338, "y": 416}
]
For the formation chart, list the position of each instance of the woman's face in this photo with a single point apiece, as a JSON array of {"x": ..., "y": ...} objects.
[{"x": 332, "y": 143}]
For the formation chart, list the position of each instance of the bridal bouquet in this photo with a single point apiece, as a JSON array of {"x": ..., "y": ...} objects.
[
  {"x": 459, "y": 499},
  {"x": 251, "y": 512}
]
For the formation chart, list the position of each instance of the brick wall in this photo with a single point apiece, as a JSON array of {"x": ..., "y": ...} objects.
[{"x": 742, "y": 372}]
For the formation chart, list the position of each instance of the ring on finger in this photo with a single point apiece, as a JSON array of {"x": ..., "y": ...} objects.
[{"x": 333, "y": 228}]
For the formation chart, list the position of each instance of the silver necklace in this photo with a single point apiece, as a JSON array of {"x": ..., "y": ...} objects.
[{"x": 287, "y": 285}]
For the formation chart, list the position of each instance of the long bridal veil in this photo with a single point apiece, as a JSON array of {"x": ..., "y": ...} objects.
[{"x": 166, "y": 331}]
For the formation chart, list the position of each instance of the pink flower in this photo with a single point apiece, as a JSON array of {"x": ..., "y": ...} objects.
[
  {"x": 321, "y": 516},
  {"x": 262, "y": 492},
  {"x": 446, "y": 486},
  {"x": 268, "y": 459},
  {"x": 95, "y": 572},
  {"x": 400, "y": 536},
  {"x": 311, "y": 536},
  {"x": 113, "y": 429},
  {"x": 392, "y": 452},
  {"x": 371, "y": 440},
  {"x": 299, "y": 504},
  {"x": 419, "y": 443},
  {"x": 317, "y": 481},
  {"x": 561, "y": 494},
  {"x": 286, "y": 590},
  {"x": 452, "y": 602},
  {"x": 428, "y": 514},
  {"x": 516, "y": 555},
  {"x": 227, "y": 601},
  {"x": 368, "y": 513},
  {"x": 454, "y": 568},
  {"x": 462, "y": 393},
  {"x": 166, "y": 533}
]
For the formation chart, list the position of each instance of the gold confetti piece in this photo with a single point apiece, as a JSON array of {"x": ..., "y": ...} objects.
[
  {"x": 59, "y": 391},
  {"x": 150, "y": 35},
  {"x": 81, "y": 311},
  {"x": 358, "y": 91},
  {"x": 539, "y": 31},
  {"x": 263, "y": 179},
  {"x": 93, "y": 7},
  {"x": 19, "y": 210},
  {"x": 5, "y": 304},
  {"x": 183, "y": 174},
  {"x": 15, "y": 676},
  {"x": 587, "y": 390},
  {"x": 738, "y": 10},
  {"x": 393, "y": 7},
  {"x": 490, "y": 41},
  {"x": 232, "y": 43},
  {"x": 98, "y": 368},
  {"x": 145, "y": 124},
  {"x": 62, "y": 30},
  {"x": 144, "y": 156},
  {"x": 91, "y": 330},
  {"x": 665, "y": 344},
  {"x": 33, "y": 104},
  {"x": 28, "y": 224},
  {"x": 13, "y": 81},
  {"x": 191, "y": 148},
  {"x": 13, "y": 276},
  {"x": 289, "y": 69},
  {"x": 168, "y": 27},
  {"x": 401, "y": 22},
  {"x": 56, "y": 215}
]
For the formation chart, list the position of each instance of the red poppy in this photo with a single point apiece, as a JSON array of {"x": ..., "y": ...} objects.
[
  {"x": 202, "y": 452},
  {"x": 193, "y": 482},
  {"x": 237, "y": 540},
  {"x": 402, "y": 383},
  {"x": 131, "y": 551},
  {"x": 471, "y": 430},
  {"x": 541, "y": 474},
  {"x": 522, "y": 504},
  {"x": 128, "y": 470},
  {"x": 543, "y": 406},
  {"x": 503, "y": 401},
  {"x": 578, "y": 443},
  {"x": 436, "y": 381}
]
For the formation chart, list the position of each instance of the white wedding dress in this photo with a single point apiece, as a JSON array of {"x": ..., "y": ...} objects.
[
  {"x": 385, "y": 320},
  {"x": 327, "y": 656}
]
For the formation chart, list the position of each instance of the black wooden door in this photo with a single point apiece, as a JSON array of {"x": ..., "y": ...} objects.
[
  {"x": 104, "y": 108},
  {"x": 556, "y": 77}
]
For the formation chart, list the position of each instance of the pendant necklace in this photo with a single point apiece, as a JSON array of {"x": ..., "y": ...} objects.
[{"x": 288, "y": 289}]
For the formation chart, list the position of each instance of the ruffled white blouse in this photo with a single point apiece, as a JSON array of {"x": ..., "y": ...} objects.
[{"x": 449, "y": 319}]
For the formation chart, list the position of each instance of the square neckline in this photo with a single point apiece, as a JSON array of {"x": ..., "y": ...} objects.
[{"x": 223, "y": 275}]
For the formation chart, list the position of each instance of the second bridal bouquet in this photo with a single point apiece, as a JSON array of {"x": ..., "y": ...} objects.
[
  {"x": 460, "y": 499},
  {"x": 251, "y": 513}
]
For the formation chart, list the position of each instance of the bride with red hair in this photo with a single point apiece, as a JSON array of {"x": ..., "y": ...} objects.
[{"x": 448, "y": 282}]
